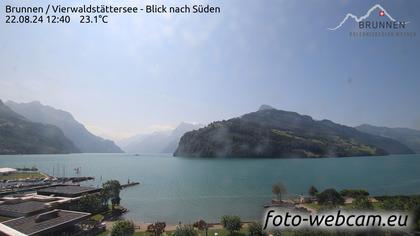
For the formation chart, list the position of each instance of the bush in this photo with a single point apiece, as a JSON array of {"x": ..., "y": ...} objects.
[
  {"x": 185, "y": 230},
  {"x": 231, "y": 223},
  {"x": 256, "y": 229},
  {"x": 354, "y": 193},
  {"x": 122, "y": 228},
  {"x": 157, "y": 228},
  {"x": 89, "y": 203},
  {"x": 312, "y": 191},
  {"x": 330, "y": 197},
  {"x": 275, "y": 232},
  {"x": 201, "y": 225},
  {"x": 279, "y": 189},
  {"x": 416, "y": 215},
  {"x": 362, "y": 203}
]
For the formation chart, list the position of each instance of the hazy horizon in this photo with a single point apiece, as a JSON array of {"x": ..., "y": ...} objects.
[
  {"x": 146, "y": 73},
  {"x": 167, "y": 129}
]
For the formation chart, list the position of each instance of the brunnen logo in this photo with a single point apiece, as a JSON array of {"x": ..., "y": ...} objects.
[{"x": 386, "y": 27}]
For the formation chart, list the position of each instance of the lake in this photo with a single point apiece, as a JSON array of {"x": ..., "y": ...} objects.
[{"x": 177, "y": 189}]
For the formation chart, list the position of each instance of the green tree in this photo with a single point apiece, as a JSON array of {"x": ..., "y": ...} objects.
[
  {"x": 416, "y": 215},
  {"x": 330, "y": 197},
  {"x": 201, "y": 225},
  {"x": 312, "y": 191},
  {"x": 157, "y": 228},
  {"x": 279, "y": 189},
  {"x": 353, "y": 193},
  {"x": 276, "y": 232},
  {"x": 89, "y": 203},
  {"x": 115, "y": 201},
  {"x": 122, "y": 228},
  {"x": 185, "y": 230},
  {"x": 231, "y": 223},
  {"x": 394, "y": 204},
  {"x": 256, "y": 229},
  {"x": 111, "y": 191},
  {"x": 362, "y": 203}
]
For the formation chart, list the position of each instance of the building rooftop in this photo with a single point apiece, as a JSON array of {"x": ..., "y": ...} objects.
[
  {"x": 22, "y": 208},
  {"x": 67, "y": 191},
  {"x": 48, "y": 222},
  {"x": 6, "y": 170}
]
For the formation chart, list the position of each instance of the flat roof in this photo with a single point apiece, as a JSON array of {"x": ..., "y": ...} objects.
[
  {"x": 51, "y": 221},
  {"x": 67, "y": 190},
  {"x": 7, "y": 170},
  {"x": 24, "y": 208}
]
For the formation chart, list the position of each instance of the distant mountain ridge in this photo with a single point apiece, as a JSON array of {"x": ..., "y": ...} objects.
[
  {"x": 85, "y": 141},
  {"x": 21, "y": 136},
  {"x": 265, "y": 107},
  {"x": 176, "y": 135},
  {"x": 409, "y": 137},
  {"x": 158, "y": 142},
  {"x": 275, "y": 133},
  {"x": 148, "y": 143}
]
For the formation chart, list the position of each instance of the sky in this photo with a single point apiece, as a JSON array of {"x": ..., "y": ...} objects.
[{"x": 143, "y": 73}]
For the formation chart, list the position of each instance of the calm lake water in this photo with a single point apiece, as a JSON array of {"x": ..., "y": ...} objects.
[{"x": 184, "y": 189}]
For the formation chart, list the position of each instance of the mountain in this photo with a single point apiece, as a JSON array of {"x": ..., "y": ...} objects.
[
  {"x": 150, "y": 143},
  {"x": 21, "y": 136},
  {"x": 84, "y": 140},
  {"x": 265, "y": 107},
  {"x": 408, "y": 137},
  {"x": 176, "y": 135},
  {"x": 278, "y": 134},
  {"x": 158, "y": 142}
]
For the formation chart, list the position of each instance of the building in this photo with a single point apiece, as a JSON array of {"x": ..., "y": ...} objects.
[
  {"x": 46, "y": 223},
  {"x": 7, "y": 171},
  {"x": 15, "y": 209},
  {"x": 58, "y": 196},
  {"x": 69, "y": 191},
  {"x": 306, "y": 199},
  {"x": 29, "y": 204},
  {"x": 38, "y": 213}
]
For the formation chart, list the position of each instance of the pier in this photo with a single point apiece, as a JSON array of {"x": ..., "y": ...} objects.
[
  {"x": 75, "y": 179},
  {"x": 129, "y": 184}
]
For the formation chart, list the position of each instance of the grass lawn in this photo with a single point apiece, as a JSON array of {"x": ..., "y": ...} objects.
[
  {"x": 103, "y": 233},
  {"x": 3, "y": 218},
  {"x": 376, "y": 206},
  {"x": 22, "y": 175},
  {"x": 221, "y": 232},
  {"x": 97, "y": 217},
  {"x": 313, "y": 206},
  {"x": 106, "y": 233}
]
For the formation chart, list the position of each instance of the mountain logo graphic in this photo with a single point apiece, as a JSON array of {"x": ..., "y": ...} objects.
[{"x": 382, "y": 12}]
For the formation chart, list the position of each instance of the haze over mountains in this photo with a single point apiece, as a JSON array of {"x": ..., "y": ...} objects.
[
  {"x": 84, "y": 140},
  {"x": 409, "y": 137},
  {"x": 274, "y": 133},
  {"x": 158, "y": 142},
  {"x": 18, "y": 135},
  {"x": 34, "y": 128}
]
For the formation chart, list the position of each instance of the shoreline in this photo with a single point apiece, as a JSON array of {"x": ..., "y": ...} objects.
[{"x": 142, "y": 227}]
